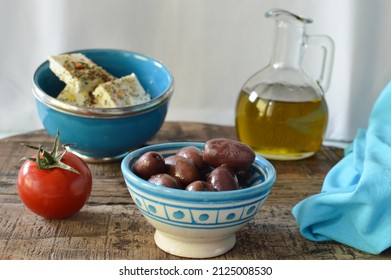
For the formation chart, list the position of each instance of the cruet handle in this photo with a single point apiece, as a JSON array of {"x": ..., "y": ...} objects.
[{"x": 327, "y": 46}]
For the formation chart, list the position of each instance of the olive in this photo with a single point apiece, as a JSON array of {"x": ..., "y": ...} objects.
[
  {"x": 235, "y": 154},
  {"x": 183, "y": 169},
  {"x": 150, "y": 163},
  {"x": 192, "y": 168},
  {"x": 243, "y": 175},
  {"x": 195, "y": 155},
  {"x": 163, "y": 179},
  {"x": 170, "y": 160},
  {"x": 223, "y": 178},
  {"x": 199, "y": 186}
]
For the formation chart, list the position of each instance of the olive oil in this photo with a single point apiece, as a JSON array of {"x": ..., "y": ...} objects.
[
  {"x": 278, "y": 126},
  {"x": 281, "y": 112}
]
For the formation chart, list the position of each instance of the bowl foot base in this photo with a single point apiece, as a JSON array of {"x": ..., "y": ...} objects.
[
  {"x": 191, "y": 248},
  {"x": 92, "y": 159}
]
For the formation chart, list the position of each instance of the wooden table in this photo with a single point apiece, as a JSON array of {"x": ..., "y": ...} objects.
[{"x": 111, "y": 227}]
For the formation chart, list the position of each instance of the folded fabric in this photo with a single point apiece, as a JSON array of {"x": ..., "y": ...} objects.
[{"x": 354, "y": 206}]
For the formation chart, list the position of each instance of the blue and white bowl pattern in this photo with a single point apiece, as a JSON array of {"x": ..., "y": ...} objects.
[
  {"x": 201, "y": 216},
  {"x": 197, "y": 224},
  {"x": 198, "y": 210}
]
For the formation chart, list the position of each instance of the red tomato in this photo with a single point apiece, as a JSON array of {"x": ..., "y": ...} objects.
[{"x": 55, "y": 192}]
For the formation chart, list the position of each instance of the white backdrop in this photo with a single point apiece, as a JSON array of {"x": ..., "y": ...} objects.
[{"x": 211, "y": 46}]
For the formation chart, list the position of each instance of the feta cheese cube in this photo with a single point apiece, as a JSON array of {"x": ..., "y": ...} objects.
[
  {"x": 68, "y": 96},
  {"x": 125, "y": 91},
  {"x": 78, "y": 72}
]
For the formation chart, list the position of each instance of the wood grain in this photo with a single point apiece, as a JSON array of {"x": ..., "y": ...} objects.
[{"x": 111, "y": 227}]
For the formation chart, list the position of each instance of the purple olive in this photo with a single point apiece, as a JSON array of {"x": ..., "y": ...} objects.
[
  {"x": 199, "y": 186},
  {"x": 195, "y": 155},
  {"x": 223, "y": 178},
  {"x": 235, "y": 154},
  {"x": 149, "y": 164},
  {"x": 182, "y": 169},
  {"x": 165, "y": 180}
]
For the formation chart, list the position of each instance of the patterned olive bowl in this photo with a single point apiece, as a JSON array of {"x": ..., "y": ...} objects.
[{"x": 197, "y": 224}]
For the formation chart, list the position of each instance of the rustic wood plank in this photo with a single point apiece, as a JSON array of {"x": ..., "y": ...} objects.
[{"x": 120, "y": 232}]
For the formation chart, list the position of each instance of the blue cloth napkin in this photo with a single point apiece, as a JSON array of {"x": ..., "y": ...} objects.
[{"x": 354, "y": 206}]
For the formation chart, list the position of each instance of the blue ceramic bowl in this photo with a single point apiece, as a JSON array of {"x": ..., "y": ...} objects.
[
  {"x": 197, "y": 224},
  {"x": 99, "y": 134}
]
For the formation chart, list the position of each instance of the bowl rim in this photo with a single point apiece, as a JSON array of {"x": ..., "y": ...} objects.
[
  {"x": 223, "y": 196},
  {"x": 117, "y": 112}
]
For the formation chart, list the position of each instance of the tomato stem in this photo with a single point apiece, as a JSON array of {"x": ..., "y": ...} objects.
[{"x": 49, "y": 160}]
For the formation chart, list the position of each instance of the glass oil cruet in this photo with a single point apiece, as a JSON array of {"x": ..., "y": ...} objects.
[{"x": 281, "y": 111}]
